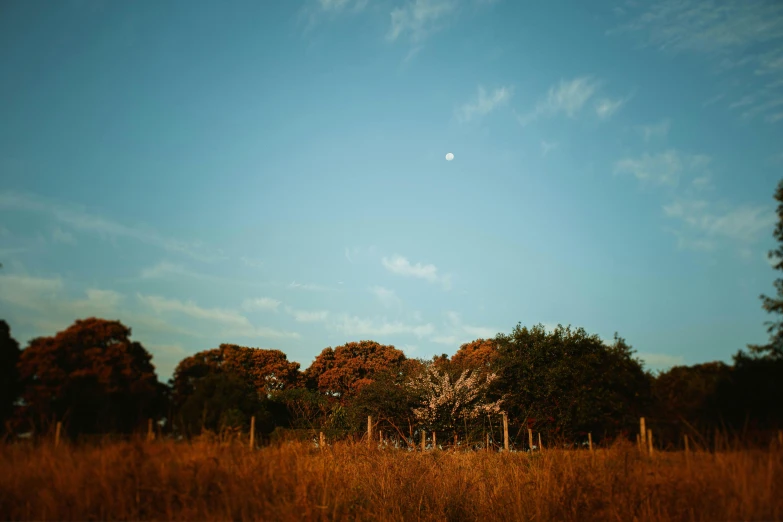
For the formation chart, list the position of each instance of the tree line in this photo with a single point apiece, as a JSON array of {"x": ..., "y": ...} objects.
[{"x": 564, "y": 384}]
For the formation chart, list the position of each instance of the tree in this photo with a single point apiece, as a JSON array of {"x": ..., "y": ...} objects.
[
  {"x": 9, "y": 375},
  {"x": 774, "y": 305},
  {"x": 266, "y": 370},
  {"x": 92, "y": 377},
  {"x": 343, "y": 371},
  {"x": 571, "y": 383},
  {"x": 481, "y": 353},
  {"x": 446, "y": 404},
  {"x": 223, "y": 401}
]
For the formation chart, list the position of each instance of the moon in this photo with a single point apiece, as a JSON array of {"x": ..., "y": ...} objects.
[{"x": 449, "y": 156}]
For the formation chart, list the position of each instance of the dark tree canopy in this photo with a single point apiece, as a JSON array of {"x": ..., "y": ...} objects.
[
  {"x": 568, "y": 382},
  {"x": 9, "y": 375},
  {"x": 343, "y": 371},
  {"x": 774, "y": 305},
  {"x": 266, "y": 370},
  {"x": 92, "y": 377}
]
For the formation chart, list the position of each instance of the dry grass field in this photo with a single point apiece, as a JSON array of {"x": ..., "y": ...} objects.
[{"x": 164, "y": 480}]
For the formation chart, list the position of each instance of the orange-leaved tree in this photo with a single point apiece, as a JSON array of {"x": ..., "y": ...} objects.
[
  {"x": 343, "y": 371},
  {"x": 92, "y": 377},
  {"x": 266, "y": 370},
  {"x": 475, "y": 355}
]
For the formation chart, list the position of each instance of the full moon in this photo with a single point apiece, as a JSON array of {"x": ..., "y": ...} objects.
[{"x": 449, "y": 156}]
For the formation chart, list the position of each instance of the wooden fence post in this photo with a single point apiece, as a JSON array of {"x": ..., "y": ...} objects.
[
  {"x": 687, "y": 453},
  {"x": 487, "y": 446},
  {"x": 638, "y": 442},
  {"x": 369, "y": 431},
  {"x": 540, "y": 446},
  {"x": 423, "y": 440},
  {"x": 505, "y": 431},
  {"x": 590, "y": 441},
  {"x": 252, "y": 431},
  {"x": 321, "y": 440},
  {"x": 650, "y": 441},
  {"x": 57, "y": 434},
  {"x": 530, "y": 438},
  {"x": 643, "y": 432}
]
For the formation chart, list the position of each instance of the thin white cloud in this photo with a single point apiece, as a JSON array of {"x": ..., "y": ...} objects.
[
  {"x": 252, "y": 263},
  {"x": 417, "y": 19},
  {"x": 63, "y": 236},
  {"x": 358, "y": 327},
  {"x": 567, "y": 97},
  {"x": 28, "y": 292},
  {"x": 308, "y": 286},
  {"x": 162, "y": 305},
  {"x": 655, "y": 130},
  {"x": 485, "y": 103},
  {"x": 547, "y": 147},
  {"x": 401, "y": 266},
  {"x": 79, "y": 219},
  {"x": 386, "y": 296},
  {"x": 743, "y": 40},
  {"x": 458, "y": 333},
  {"x": 665, "y": 168},
  {"x": 606, "y": 107},
  {"x": 706, "y": 223},
  {"x": 261, "y": 303},
  {"x": 307, "y": 316},
  {"x": 661, "y": 360}
]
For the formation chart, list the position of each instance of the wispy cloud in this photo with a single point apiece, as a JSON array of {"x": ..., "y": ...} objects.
[
  {"x": 261, "y": 303},
  {"x": 252, "y": 263},
  {"x": 417, "y": 19},
  {"x": 547, "y": 147},
  {"x": 706, "y": 223},
  {"x": 307, "y": 316},
  {"x": 429, "y": 272},
  {"x": 308, "y": 286},
  {"x": 654, "y": 130},
  {"x": 606, "y": 107},
  {"x": 63, "y": 236},
  {"x": 661, "y": 360},
  {"x": 458, "y": 333},
  {"x": 567, "y": 97},
  {"x": 28, "y": 292},
  {"x": 234, "y": 322},
  {"x": 317, "y": 11},
  {"x": 79, "y": 219},
  {"x": 485, "y": 103},
  {"x": 387, "y": 297},
  {"x": 743, "y": 40},
  {"x": 665, "y": 168},
  {"x": 219, "y": 315},
  {"x": 358, "y": 327}
]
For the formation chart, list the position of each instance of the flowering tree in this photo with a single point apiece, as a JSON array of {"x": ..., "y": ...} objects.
[{"x": 445, "y": 405}]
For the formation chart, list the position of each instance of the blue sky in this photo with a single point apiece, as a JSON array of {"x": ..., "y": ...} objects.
[{"x": 273, "y": 174}]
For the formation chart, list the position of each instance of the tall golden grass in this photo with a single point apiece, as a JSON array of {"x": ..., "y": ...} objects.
[{"x": 164, "y": 480}]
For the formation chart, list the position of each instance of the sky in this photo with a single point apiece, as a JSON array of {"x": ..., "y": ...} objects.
[{"x": 273, "y": 174}]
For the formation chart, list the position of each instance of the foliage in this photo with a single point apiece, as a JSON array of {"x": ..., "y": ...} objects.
[
  {"x": 10, "y": 388},
  {"x": 481, "y": 353},
  {"x": 774, "y": 305},
  {"x": 267, "y": 371},
  {"x": 223, "y": 401},
  {"x": 343, "y": 371},
  {"x": 571, "y": 383},
  {"x": 305, "y": 408},
  {"x": 387, "y": 399},
  {"x": 445, "y": 405},
  {"x": 92, "y": 377}
]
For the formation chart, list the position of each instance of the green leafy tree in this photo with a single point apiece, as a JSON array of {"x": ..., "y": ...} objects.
[
  {"x": 10, "y": 388},
  {"x": 569, "y": 383},
  {"x": 223, "y": 401},
  {"x": 774, "y": 305}
]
